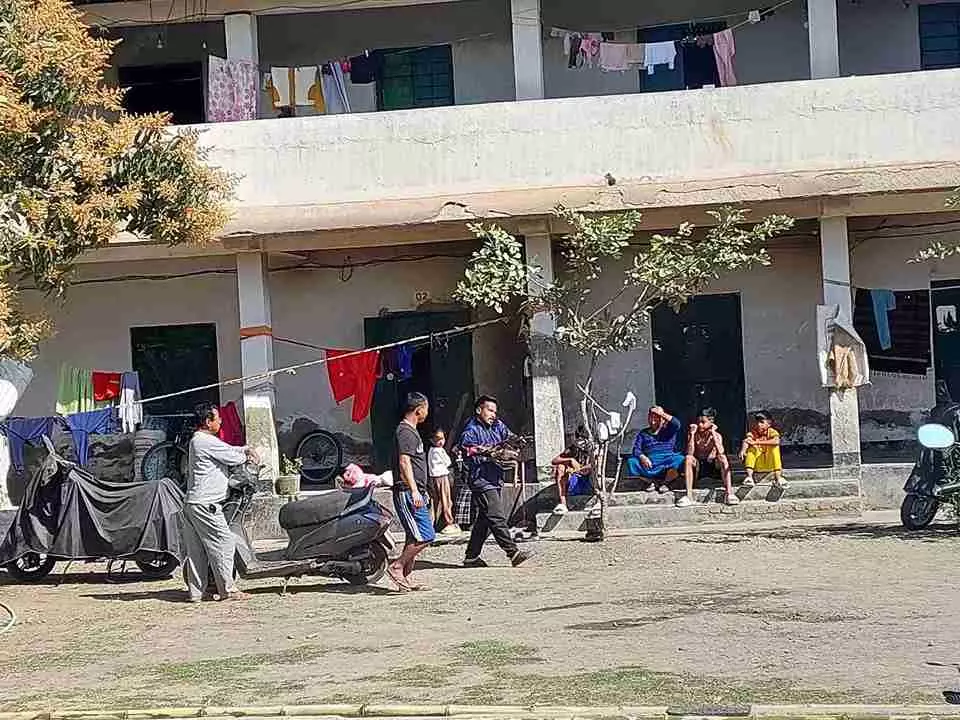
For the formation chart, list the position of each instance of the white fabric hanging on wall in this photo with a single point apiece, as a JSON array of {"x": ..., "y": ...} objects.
[{"x": 14, "y": 379}]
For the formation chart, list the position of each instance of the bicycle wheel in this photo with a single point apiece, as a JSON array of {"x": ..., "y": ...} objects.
[
  {"x": 165, "y": 459},
  {"x": 322, "y": 455}
]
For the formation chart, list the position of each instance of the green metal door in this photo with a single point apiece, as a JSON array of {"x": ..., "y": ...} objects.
[{"x": 442, "y": 370}]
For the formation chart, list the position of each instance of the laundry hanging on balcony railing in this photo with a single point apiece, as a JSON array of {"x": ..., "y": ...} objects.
[
  {"x": 599, "y": 49},
  {"x": 231, "y": 90},
  {"x": 321, "y": 87},
  {"x": 710, "y": 57}
]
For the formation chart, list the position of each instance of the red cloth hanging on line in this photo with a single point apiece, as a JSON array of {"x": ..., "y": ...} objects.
[
  {"x": 106, "y": 385},
  {"x": 354, "y": 376},
  {"x": 231, "y": 429}
]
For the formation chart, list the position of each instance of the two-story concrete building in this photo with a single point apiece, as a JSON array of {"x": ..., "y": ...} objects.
[{"x": 350, "y": 228}]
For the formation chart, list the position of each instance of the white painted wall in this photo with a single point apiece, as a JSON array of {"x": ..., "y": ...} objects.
[
  {"x": 443, "y": 154},
  {"x": 779, "y": 335},
  {"x": 880, "y": 251},
  {"x": 93, "y": 325},
  {"x": 320, "y": 306},
  {"x": 778, "y": 306},
  {"x": 325, "y": 307}
]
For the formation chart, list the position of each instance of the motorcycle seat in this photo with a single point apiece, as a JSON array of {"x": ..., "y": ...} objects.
[{"x": 317, "y": 508}]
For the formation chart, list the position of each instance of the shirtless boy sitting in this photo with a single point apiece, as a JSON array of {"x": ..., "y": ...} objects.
[{"x": 706, "y": 457}]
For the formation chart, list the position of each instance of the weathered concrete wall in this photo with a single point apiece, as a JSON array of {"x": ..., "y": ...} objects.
[
  {"x": 326, "y": 307},
  {"x": 323, "y": 305},
  {"x": 93, "y": 324},
  {"x": 808, "y": 138},
  {"x": 894, "y": 404},
  {"x": 778, "y": 308},
  {"x": 881, "y": 486},
  {"x": 779, "y": 334}
]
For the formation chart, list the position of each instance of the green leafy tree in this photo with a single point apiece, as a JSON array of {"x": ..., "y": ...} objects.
[
  {"x": 937, "y": 249},
  {"x": 603, "y": 296},
  {"x": 75, "y": 170}
]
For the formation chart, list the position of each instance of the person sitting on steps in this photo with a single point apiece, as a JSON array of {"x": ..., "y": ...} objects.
[
  {"x": 760, "y": 451},
  {"x": 655, "y": 457},
  {"x": 571, "y": 469},
  {"x": 706, "y": 457}
]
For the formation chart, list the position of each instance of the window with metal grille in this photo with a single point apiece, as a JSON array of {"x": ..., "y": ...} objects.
[
  {"x": 939, "y": 36},
  {"x": 172, "y": 358},
  {"x": 908, "y": 326},
  {"x": 415, "y": 78}
]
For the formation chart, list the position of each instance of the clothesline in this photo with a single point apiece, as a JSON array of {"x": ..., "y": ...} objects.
[
  {"x": 693, "y": 21},
  {"x": 292, "y": 369}
]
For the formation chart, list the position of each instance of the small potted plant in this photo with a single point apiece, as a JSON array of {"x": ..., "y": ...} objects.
[{"x": 288, "y": 484}]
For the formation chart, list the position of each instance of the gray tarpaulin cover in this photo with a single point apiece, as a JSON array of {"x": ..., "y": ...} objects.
[{"x": 68, "y": 513}]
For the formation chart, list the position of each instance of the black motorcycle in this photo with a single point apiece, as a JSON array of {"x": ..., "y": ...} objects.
[
  {"x": 69, "y": 515},
  {"x": 935, "y": 478}
]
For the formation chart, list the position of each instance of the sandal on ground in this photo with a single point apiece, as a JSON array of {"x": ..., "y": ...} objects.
[
  {"x": 732, "y": 499},
  {"x": 399, "y": 580},
  {"x": 238, "y": 595}
]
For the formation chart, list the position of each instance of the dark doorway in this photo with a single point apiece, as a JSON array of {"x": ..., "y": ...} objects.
[
  {"x": 171, "y": 358},
  {"x": 945, "y": 319},
  {"x": 176, "y": 89},
  {"x": 698, "y": 362},
  {"x": 442, "y": 370}
]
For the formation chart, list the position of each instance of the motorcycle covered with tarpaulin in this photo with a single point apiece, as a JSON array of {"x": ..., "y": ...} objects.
[{"x": 68, "y": 514}]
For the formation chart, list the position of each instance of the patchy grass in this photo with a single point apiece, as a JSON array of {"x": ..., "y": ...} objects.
[
  {"x": 216, "y": 670},
  {"x": 640, "y": 686},
  {"x": 426, "y": 676},
  {"x": 493, "y": 654}
]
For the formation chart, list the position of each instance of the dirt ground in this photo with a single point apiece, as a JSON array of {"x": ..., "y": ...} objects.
[{"x": 854, "y": 614}]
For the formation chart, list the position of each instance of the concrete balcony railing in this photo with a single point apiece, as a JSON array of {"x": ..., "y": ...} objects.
[{"x": 844, "y": 137}]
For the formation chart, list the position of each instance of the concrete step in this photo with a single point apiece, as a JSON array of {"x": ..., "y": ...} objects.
[
  {"x": 799, "y": 474},
  {"x": 635, "y": 516},
  {"x": 795, "y": 490}
]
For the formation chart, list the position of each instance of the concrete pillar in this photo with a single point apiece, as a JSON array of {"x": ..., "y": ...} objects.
[
  {"x": 256, "y": 356},
  {"x": 844, "y": 407},
  {"x": 527, "y": 49},
  {"x": 545, "y": 363},
  {"x": 824, "y": 39},
  {"x": 240, "y": 31}
]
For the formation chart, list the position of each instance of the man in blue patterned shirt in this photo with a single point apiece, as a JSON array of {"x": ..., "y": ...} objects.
[{"x": 485, "y": 477}]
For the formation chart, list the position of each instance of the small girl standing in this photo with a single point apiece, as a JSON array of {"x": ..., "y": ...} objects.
[{"x": 438, "y": 467}]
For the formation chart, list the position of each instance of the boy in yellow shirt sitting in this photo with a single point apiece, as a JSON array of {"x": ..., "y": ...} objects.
[{"x": 760, "y": 451}]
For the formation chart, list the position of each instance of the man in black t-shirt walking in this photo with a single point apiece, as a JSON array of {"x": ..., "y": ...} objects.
[{"x": 410, "y": 497}]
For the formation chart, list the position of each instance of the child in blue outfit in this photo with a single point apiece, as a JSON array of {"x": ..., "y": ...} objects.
[{"x": 655, "y": 457}]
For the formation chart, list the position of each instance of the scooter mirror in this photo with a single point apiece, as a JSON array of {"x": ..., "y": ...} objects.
[{"x": 935, "y": 436}]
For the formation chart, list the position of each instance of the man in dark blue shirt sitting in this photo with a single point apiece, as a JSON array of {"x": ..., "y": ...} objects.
[{"x": 485, "y": 477}]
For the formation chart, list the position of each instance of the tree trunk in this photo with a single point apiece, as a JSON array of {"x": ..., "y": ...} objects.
[{"x": 595, "y": 521}]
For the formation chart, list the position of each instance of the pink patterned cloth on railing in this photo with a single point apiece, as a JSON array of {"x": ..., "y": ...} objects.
[{"x": 231, "y": 90}]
